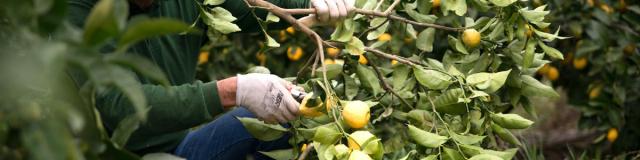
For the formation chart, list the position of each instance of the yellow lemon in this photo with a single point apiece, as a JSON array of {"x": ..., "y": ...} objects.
[
  {"x": 291, "y": 30},
  {"x": 471, "y": 38},
  {"x": 310, "y": 107},
  {"x": 358, "y": 155},
  {"x": 612, "y": 135},
  {"x": 544, "y": 69},
  {"x": 363, "y": 60},
  {"x": 595, "y": 92},
  {"x": 435, "y": 3},
  {"x": 394, "y": 62},
  {"x": 283, "y": 36},
  {"x": 203, "y": 57},
  {"x": 333, "y": 52},
  {"x": 356, "y": 114},
  {"x": 294, "y": 53},
  {"x": 553, "y": 73},
  {"x": 606, "y": 8},
  {"x": 329, "y": 61},
  {"x": 580, "y": 63},
  {"x": 384, "y": 37},
  {"x": 262, "y": 58}
]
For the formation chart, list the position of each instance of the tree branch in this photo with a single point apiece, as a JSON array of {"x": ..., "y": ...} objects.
[
  {"x": 394, "y": 57},
  {"x": 386, "y": 86},
  {"x": 306, "y": 151}
]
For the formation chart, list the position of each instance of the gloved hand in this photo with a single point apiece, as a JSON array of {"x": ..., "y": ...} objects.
[
  {"x": 332, "y": 10},
  {"x": 267, "y": 96}
]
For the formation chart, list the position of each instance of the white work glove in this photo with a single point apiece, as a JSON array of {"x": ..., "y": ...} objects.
[
  {"x": 267, "y": 96},
  {"x": 332, "y": 10}
]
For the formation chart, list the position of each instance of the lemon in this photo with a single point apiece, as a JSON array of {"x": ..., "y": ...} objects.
[
  {"x": 356, "y": 114},
  {"x": 203, "y": 57},
  {"x": 435, "y": 3},
  {"x": 606, "y": 8},
  {"x": 358, "y": 155},
  {"x": 291, "y": 30},
  {"x": 394, "y": 62},
  {"x": 580, "y": 63},
  {"x": 294, "y": 53},
  {"x": 362, "y": 60},
  {"x": 262, "y": 58},
  {"x": 283, "y": 36},
  {"x": 329, "y": 61},
  {"x": 308, "y": 109},
  {"x": 471, "y": 38},
  {"x": 553, "y": 73},
  {"x": 595, "y": 92},
  {"x": 544, "y": 69},
  {"x": 341, "y": 151},
  {"x": 384, "y": 37},
  {"x": 612, "y": 134},
  {"x": 358, "y": 138},
  {"x": 333, "y": 52}
]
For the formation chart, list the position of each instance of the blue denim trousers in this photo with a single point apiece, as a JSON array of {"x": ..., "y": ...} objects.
[{"x": 226, "y": 138}]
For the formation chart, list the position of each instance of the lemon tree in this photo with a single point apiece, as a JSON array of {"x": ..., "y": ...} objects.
[
  {"x": 403, "y": 79},
  {"x": 600, "y": 70}
]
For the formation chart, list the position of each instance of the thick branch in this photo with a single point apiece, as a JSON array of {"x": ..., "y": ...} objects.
[{"x": 378, "y": 14}]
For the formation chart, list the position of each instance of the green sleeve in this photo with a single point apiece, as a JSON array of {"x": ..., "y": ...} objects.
[
  {"x": 173, "y": 109},
  {"x": 248, "y": 23}
]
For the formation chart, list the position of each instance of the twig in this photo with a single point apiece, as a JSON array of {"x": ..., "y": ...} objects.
[
  {"x": 391, "y": 7},
  {"x": 378, "y": 14},
  {"x": 306, "y": 151},
  {"x": 386, "y": 86},
  {"x": 393, "y": 57},
  {"x": 373, "y": 28}
]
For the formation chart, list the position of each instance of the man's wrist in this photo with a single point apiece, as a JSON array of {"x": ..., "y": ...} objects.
[{"x": 227, "y": 92}]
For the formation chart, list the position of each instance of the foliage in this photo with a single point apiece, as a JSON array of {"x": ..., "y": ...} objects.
[
  {"x": 432, "y": 94},
  {"x": 601, "y": 70},
  {"x": 43, "y": 113}
]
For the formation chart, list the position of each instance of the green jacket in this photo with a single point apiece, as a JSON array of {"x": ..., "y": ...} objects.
[{"x": 192, "y": 102}]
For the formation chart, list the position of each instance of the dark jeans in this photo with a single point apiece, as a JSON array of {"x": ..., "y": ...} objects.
[{"x": 226, "y": 138}]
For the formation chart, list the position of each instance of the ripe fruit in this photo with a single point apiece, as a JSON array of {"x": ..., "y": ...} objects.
[
  {"x": 435, "y": 3},
  {"x": 394, "y": 62},
  {"x": 203, "y": 57},
  {"x": 595, "y": 92},
  {"x": 333, "y": 52},
  {"x": 356, "y": 114},
  {"x": 291, "y": 30},
  {"x": 553, "y": 73},
  {"x": 363, "y": 60},
  {"x": 294, "y": 53},
  {"x": 358, "y": 138},
  {"x": 310, "y": 107},
  {"x": 629, "y": 49},
  {"x": 580, "y": 63},
  {"x": 606, "y": 8},
  {"x": 283, "y": 36},
  {"x": 544, "y": 69},
  {"x": 612, "y": 135},
  {"x": 358, "y": 155},
  {"x": 341, "y": 151},
  {"x": 384, "y": 37},
  {"x": 329, "y": 61},
  {"x": 529, "y": 31},
  {"x": 262, "y": 58},
  {"x": 471, "y": 38}
]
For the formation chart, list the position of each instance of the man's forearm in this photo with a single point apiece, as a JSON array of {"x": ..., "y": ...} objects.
[{"x": 227, "y": 92}]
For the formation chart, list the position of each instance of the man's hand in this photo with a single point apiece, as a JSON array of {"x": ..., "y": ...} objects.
[
  {"x": 332, "y": 10},
  {"x": 267, "y": 96}
]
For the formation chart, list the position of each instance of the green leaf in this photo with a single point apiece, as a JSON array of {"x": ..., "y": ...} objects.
[
  {"x": 327, "y": 134},
  {"x": 485, "y": 157},
  {"x": 125, "y": 128},
  {"x": 420, "y": 117},
  {"x": 333, "y": 71},
  {"x": 149, "y": 28},
  {"x": 448, "y": 102},
  {"x": 457, "y": 44},
  {"x": 123, "y": 80},
  {"x": 270, "y": 41},
  {"x": 325, "y": 151},
  {"x": 502, "y": 3},
  {"x": 425, "y": 39},
  {"x": 505, "y": 135},
  {"x": 355, "y": 46},
  {"x": 368, "y": 79},
  {"x": 458, "y": 6},
  {"x": 534, "y": 16},
  {"x": 272, "y": 17},
  {"x": 261, "y": 130},
  {"x": 529, "y": 54},
  {"x": 400, "y": 76},
  {"x": 344, "y": 31},
  {"x": 533, "y": 87},
  {"x": 552, "y": 52},
  {"x": 548, "y": 36},
  {"x": 101, "y": 24},
  {"x": 489, "y": 82},
  {"x": 282, "y": 154},
  {"x": 432, "y": 79},
  {"x": 451, "y": 154},
  {"x": 468, "y": 139},
  {"x": 213, "y": 2},
  {"x": 140, "y": 65},
  {"x": 351, "y": 88},
  {"x": 511, "y": 121},
  {"x": 380, "y": 30},
  {"x": 220, "y": 19},
  {"x": 421, "y": 17},
  {"x": 430, "y": 157},
  {"x": 425, "y": 138},
  {"x": 161, "y": 156}
]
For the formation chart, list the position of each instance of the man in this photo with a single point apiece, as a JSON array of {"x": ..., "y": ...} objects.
[{"x": 191, "y": 103}]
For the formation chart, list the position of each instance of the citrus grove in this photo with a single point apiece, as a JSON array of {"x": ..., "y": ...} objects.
[{"x": 417, "y": 79}]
